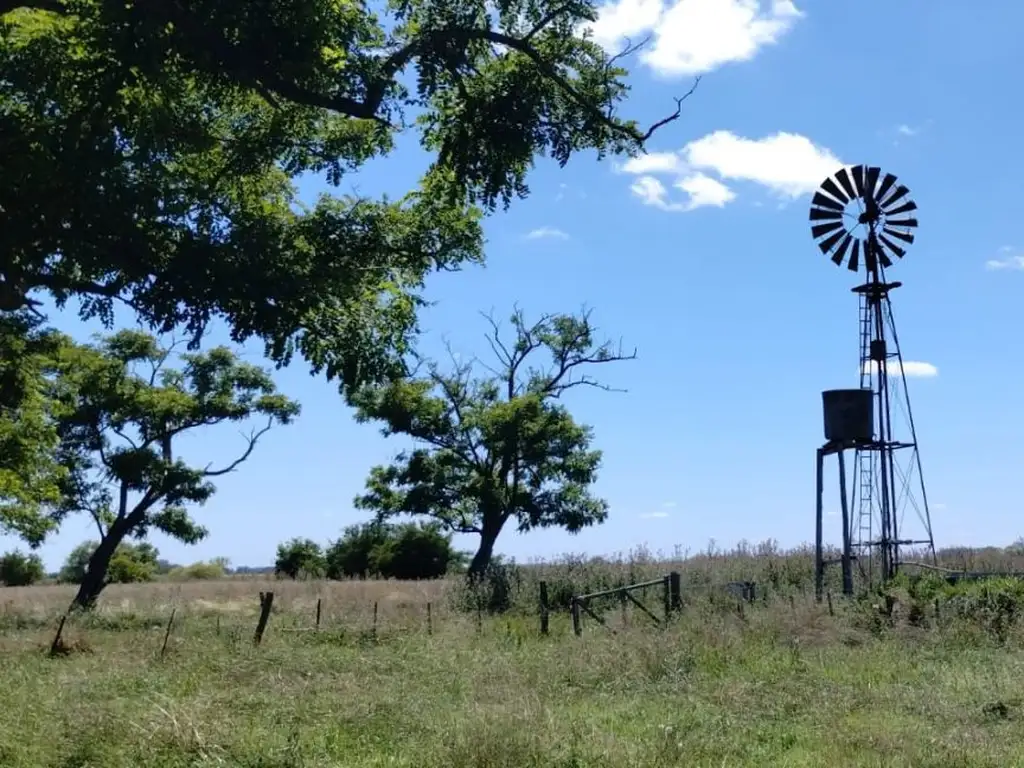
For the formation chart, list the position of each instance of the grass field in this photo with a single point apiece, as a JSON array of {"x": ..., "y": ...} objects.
[{"x": 780, "y": 683}]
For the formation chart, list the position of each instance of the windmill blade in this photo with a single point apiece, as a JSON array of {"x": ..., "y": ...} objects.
[
  {"x": 820, "y": 230},
  {"x": 827, "y": 202},
  {"x": 883, "y": 257},
  {"x": 892, "y": 246},
  {"x": 840, "y": 252},
  {"x": 818, "y": 214},
  {"x": 830, "y": 186},
  {"x": 829, "y": 242},
  {"x": 897, "y": 193},
  {"x": 854, "y": 264},
  {"x": 887, "y": 181},
  {"x": 906, "y": 237},
  {"x": 908, "y": 206},
  {"x": 844, "y": 179},
  {"x": 871, "y": 181},
  {"x": 858, "y": 179},
  {"x": 905, "y": 223}
]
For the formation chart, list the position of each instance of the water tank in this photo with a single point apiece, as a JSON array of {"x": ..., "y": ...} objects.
[{"x": 849, "y": 415}]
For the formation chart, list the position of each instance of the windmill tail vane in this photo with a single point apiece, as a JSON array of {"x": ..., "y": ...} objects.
[{"x": 863, "y": 218}]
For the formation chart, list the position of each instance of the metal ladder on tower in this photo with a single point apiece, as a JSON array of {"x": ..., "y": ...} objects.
[{"x": 865, "y": 459}]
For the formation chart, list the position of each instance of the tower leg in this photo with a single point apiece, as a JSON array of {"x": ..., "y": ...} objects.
[
  {"x": 819, "y": 559},
  {"x": 847, "y": 561}
]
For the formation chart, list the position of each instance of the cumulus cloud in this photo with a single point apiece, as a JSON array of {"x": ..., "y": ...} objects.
[
  {"x": 911, "y": 369},
  {"x": 787, "y": 164},
  {"x": 1008, "y": 260},
  {"x": 691, "y": 37},
  {"x": 547, "y": 233}
]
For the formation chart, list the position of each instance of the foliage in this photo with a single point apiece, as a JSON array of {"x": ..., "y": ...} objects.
[
  {"x": 152, "y": 150},
  {"x": 407, "y": 551},
  {"x": 300, "y": 558},
  {"x": 122, "y": 411},
  {"x": 497, "y": 448},
  {"x": 129, "y": 564},
  {"x": 204, "y": 570},
  {"x": 30, "y": 475},
  {"x": 18, "y": 569}
]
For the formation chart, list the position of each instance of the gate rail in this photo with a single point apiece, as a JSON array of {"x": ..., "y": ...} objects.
[{"x": 672, "y": 598}]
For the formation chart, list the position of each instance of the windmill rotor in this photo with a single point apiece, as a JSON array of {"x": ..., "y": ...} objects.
[{"x": 861, "y": 216}]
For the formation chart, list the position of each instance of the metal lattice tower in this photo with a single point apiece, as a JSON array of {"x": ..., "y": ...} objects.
[{"x": 861, "y": 217}]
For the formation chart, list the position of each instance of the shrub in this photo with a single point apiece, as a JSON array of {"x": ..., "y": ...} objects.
[
  {"x": 406, "y": 551},
  {"x": 130, "y": 564},
  {"x": 201, "y": 571},
  {"x": 20, "y": 570},
  {"x": 299, "y": 558}
]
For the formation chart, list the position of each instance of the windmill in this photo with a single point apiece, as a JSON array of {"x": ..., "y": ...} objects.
[{"x": 864, "y": 219}]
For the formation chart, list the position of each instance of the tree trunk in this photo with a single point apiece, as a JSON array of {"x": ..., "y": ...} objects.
[
  {"x": 95, "y": 578},
  {"x": 484, "y": 553}
]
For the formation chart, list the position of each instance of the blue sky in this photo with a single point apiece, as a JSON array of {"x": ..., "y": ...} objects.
[{"x": 700, "y": 256}]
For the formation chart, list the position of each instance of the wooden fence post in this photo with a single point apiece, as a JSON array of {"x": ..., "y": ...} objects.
[
  {"x": 374, "y": 619},
  {"x": 675, "y": 591},
  {"x": 577, "y": 628},
  {"x": 667, "y": 598},
  {"x": 167, "y": 634},
  {"x": 318, "y": 607},
  {"x": 266, "y": 601},
  {"x": 543, "y": 607},
  {"x": 430, "y": 621}
]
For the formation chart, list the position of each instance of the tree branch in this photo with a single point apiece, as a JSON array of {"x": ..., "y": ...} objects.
[{"x": 253, "y": 437}]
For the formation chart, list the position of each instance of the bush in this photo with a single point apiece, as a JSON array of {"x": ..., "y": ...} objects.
[
  {"x": 20, "y": 570},
  {"x": 407, "y": 551},
  {"x": 201, "y": 571},
  {"x": 299, "y": 558},
  {"x": 131, "y": 563}
]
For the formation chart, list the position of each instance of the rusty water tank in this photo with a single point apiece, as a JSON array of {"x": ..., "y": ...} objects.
[{"x": 849, "y": 415}]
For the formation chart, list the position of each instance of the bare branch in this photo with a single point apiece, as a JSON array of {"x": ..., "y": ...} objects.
[{"x": 252, "y": 437}]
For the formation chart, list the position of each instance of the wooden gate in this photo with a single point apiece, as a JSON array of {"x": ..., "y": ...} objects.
[{"x": 671, "y": 597}]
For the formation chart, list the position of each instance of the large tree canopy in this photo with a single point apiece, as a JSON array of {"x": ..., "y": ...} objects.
[
  {"x": 150, "y": 151},
  {"x": 494, "y": 448}
]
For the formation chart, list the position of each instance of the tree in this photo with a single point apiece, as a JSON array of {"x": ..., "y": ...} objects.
[
  {"x": 350, "y": 556},
  {"x": 18, "y": 569},
  {"x": 151, "y": 149},
  {"x": 409, "y": 551},
  {"x": 122, "y": 411},
  {"x": 299, "y": 558},
  {"x": 30, "y": 474},
  {"x": 130, "y": 563},
  {"x": 498, "y": 447}
]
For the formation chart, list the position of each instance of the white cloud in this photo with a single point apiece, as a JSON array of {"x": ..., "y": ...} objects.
[
  {"x": 668, "y": 505},
  {"x": 703, "y": 190},
  {"x": 700, "y": 190},
  {"x": 691, "y": 37},
  {"x": 906, "y": 130},
  {"x": 911, "y": 369},
  {"x": 654, "y": 515},
  {"x": 547, "y": 233},
  {"x": 1010, "y": 262},
  {"x": 788, "y": 164},
  {"x": 655, "y": 162}
]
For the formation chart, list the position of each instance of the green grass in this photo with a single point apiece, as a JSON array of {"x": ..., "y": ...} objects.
[{"x": 785, "y": 684}]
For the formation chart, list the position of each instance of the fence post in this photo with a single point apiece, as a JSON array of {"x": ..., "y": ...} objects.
[
  {"x": 675, "y": 591},
  {"x": 430, "y": 620},
  {"x": 266, "y": 600},
  {"x": 167, "y": 634},
  {"x": 543, "y": 607},
  {"x": 667, "y": 598},
  {"x": 318, "y": 606},
  {"x": 577, "y": 629}
]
